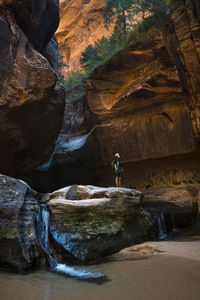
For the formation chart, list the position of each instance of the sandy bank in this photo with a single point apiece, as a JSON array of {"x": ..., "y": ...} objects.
[{"x": 184, "y": 246}]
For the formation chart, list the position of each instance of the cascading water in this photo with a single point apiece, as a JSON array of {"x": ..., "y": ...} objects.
[
  {"x": 42, "y": 226},
  {"x": 42, "y": 229},
  {"x": 162, "y": 232},
  {"x": 174, "y": 229},
  {"x": 166, "y": 226}
]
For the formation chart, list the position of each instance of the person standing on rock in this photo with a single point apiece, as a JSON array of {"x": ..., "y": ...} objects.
[{"x": 118, "y": 170}]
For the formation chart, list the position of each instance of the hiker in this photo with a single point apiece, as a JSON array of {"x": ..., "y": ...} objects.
[{"x": 118, "y": 170}]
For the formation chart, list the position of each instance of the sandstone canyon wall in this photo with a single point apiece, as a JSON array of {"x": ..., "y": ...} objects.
[
  {"x": 31, "y": 96},
  {"x": 147, "y": 102},
  {"x": 81, "y": 24},
  {"x": 143, "y": 103}
]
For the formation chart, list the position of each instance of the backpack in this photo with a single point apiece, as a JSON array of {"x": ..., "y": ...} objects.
[{"x": 113, "y": 164}]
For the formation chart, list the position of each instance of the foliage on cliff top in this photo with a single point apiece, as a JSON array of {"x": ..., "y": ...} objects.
[
  {"x": 102, "y": 51},
  {"x": 75, "y": 84},
  {"x": 125, "y": 12},
  {"x": 127, "y": 23}
]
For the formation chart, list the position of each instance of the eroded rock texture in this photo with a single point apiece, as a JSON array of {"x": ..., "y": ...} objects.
[
  {"x": 19, "y": 248},
  {"x": 89, "y": 222},
  {"x": 147, "y": 102},
  {"x": 31, "y": 97},
  {"x": 143, "y": 103},
  {"x": 86, "y": 222},
  {"x": 81, "y": 24},
  {"x": 172, "y": 200}
]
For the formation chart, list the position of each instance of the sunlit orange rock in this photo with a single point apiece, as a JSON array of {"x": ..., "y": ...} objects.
[
  {"x": 81, "y": 24},
  {"x": 143, "y": 103}
]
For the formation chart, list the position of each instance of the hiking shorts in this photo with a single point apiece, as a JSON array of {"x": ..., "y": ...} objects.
[{"x": 118, "y": 173}]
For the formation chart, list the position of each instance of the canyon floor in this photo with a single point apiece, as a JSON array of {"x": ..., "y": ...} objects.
[{"x": 161, "y": 270}]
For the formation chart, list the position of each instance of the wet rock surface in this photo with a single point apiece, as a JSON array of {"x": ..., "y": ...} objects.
[
  {"x": 91, "y": 222},
  {"x": 31, "y": 97},
  {"x": 85, "y": 223},
  {"x": 19, "y": 248}
]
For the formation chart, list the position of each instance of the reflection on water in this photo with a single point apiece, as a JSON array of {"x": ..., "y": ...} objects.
[{"x": 155, "y": 278}]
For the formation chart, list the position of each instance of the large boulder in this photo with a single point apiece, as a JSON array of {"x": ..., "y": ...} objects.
[
  {"x": 172, "y": 199},
  {"x": 31, "y": 96},
  {"x": 19, "y": 248},
  {"x": 90, "y": 222},
  {"x": 179, "y": 204}
]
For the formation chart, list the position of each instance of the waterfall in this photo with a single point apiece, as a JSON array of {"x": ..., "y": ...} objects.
[
  {"x": 162, "y": 232},
  {"x": 174, "y": 229},
  {"x": 42, "y": 230},
  {"x": 166, "y": 226}
]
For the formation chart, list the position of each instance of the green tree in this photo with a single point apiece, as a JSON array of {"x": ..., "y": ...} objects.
[
  {"x": 160, "y": 8},
  {"x": 75, "y": 85},
  {"x": 89, "y": 57},
  {"x": 118, "y": 12},
  {"x": 61, "y": 64},
  {"x": 123, "y": 12},
  {"x": 101, "y": 51},
  {"x": 142, "y": 6}
]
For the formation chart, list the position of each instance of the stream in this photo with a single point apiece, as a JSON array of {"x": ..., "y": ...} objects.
[
  {"x": 42, "y": 229},
  {"x": 153, "y": 278},
  {"x": 128, "y": 276}
]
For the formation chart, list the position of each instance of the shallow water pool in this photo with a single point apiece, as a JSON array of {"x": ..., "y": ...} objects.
[{"x": 153, "y": 278}]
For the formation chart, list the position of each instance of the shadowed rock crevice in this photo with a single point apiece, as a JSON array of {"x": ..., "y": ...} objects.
[
  {"x": 31, "y": 96},
  {"x": 19, "y": 248}
]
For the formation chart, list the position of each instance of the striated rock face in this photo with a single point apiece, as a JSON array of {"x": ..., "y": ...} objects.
[
  {"x": 143, "y": 103},
  {"x": 172, "y": 200},
  {"x": 146, "y": 106},
  {"x": 31, "y": 97},
  {"x": 147, "y": 102},
  {"x": 81, "y": 24},
  {"x": 19, "y": 248},
  {"x": 90, "y": 222}
]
